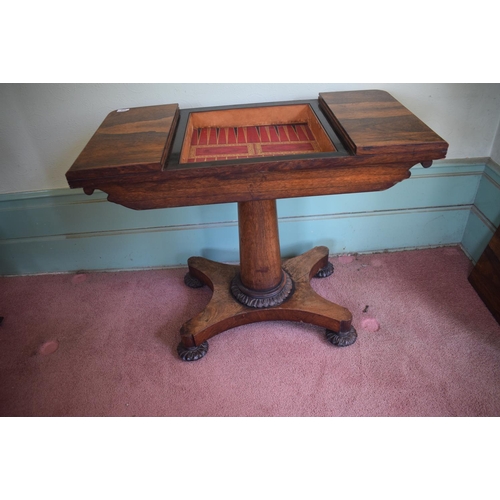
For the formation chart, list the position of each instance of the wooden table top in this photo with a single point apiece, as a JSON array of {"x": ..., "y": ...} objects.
[
  {"x": 130, "y": 140},
  {"x": 133, "y": 156},
  {"x": 374, "y": 122}
]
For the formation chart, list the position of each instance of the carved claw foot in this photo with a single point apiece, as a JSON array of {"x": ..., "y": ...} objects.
[
  {"x": 192, "y": 282},
  {"x": 324, "y": 272},
  {"x": 342, "y": 339},
  {"x": 192, "y": 353}
]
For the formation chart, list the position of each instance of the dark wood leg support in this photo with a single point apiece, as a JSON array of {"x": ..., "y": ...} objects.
[
  {"x": 224, "y": 312},
  {"x": 192, "y": 353},
  {"x": 324, "y": 272},
  {"x": 261, "y": 288},
  {"x": 342, "y": 339}
]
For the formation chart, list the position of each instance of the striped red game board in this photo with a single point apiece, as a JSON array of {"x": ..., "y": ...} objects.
[{"x": 228, "y": 143}]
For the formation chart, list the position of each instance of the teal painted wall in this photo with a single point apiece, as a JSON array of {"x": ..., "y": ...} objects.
[{"x": 62, "y": 230}]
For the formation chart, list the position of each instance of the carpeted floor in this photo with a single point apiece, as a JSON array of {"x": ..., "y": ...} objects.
[{"x": 104, "y": 344}]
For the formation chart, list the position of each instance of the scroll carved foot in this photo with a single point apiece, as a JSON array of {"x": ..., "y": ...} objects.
[
  {"x": 342, "y": 339},
  {"x": 192, "y": 282},
  {"x": 192, "y": 353},
  {"x": 324, "y": 272}
]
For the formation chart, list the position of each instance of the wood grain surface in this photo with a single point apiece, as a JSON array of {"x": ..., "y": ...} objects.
[
  {"x": 374, "y": 122},
  {"x": 253, "y": 182},
  {"x": 260, "y": 264},
  {"x": 128, "y": 141},
  {"x": 223, "y": 312},
  {"x": 126, "y": 157}
]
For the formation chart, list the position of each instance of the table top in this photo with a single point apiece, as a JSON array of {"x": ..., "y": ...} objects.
[
  {"x": 146, "y": 157},
  {"x": 374, "y": 122},
  {"x": 129, "y": 140}
]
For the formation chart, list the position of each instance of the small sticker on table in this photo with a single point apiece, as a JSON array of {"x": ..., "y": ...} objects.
[{"x": 122, "y": 110}]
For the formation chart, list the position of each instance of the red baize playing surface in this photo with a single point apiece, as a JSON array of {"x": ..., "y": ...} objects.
[{"x": 228, "y": 143}]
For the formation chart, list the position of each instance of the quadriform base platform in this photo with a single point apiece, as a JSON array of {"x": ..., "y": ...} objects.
[{"x": 343, "y": 142}]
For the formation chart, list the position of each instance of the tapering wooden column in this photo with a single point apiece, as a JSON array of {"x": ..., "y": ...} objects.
[
  {"x": 260, "y": 264},
  {"x": 262, "y": 282},
  {"x": 264, "y": 288}
]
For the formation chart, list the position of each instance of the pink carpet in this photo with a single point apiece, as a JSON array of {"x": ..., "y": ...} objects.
[{"x": 104, "y": 344}]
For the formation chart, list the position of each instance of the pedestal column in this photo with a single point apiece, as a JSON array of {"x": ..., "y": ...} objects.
[{"x": 261, "y": 282}]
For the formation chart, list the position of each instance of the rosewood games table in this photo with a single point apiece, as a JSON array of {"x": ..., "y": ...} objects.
[{"x": 343, "y": 142}]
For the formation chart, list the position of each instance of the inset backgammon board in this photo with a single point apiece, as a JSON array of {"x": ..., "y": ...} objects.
[{"x": 253, "y": 132}]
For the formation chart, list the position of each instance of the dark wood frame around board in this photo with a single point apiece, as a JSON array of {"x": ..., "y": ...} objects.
[{"x": 135, "y": 157}]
